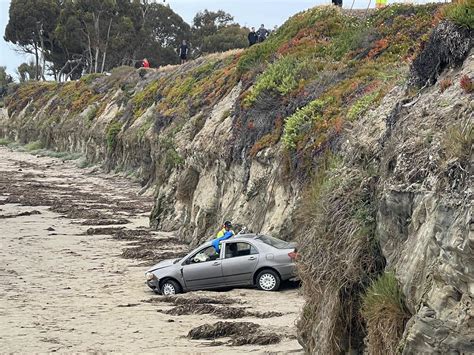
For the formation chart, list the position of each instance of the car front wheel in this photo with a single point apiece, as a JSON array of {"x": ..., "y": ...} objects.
[
  {"x": 268, "y": 280},
  {"x": 169, "y": 288}
]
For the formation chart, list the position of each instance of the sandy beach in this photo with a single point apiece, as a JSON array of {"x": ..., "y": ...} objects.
[{"x": 74, "y": 246}]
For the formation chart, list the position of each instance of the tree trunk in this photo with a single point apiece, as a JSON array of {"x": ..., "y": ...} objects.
[
  {"x": 106, "y": 46},
  {"x": 73, "y": 70},
  {"x": 96, "y": 59},
  {"x": 91, "y": 59},
  {"x": 36, "y": 62},
  {"x": 43, "y": 57},
  {"x": 96, "y": 20},
  {"x": 89, "y": 47}
]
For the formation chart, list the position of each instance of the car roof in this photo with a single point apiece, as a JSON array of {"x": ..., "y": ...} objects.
[
  {"x": 244, "y": 236},
  {"x": 238, "y": 237}
]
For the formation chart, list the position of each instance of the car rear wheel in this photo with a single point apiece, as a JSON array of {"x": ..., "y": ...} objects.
[
  {"x": 169, "y": 288},
  {"x": 268, "y": 280}
]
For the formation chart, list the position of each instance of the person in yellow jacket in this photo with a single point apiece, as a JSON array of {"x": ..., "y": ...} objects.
[
  {"x": 225, "y": 233},
  {"x": 380, "y": 3},
  {"x": 226, "y": 227}
]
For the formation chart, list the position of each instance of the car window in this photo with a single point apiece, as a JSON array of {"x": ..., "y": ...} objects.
[
  {"x": 235, "y": 249},
  {"x": 206, "y": 254},
  {"x": 274, "y": 242}
]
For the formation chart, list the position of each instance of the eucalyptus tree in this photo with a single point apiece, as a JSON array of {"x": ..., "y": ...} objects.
[
  {"x": 74, "y": 37},
  {"x": 26, "y": 71},
  {"x": 31, "y": 27},
  {"x": 215, "y": 31}
]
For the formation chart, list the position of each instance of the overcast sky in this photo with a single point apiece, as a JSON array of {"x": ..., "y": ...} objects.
[{"x": 245, "y": 12}]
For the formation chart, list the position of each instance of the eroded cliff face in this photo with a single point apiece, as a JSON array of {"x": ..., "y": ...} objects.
[
  {"x": 206, "y": 137},
  {"x": 415, "y": 154},
  {"x": 317, "y": 133},
  {"x": 424, "y": 218},
  {"x": 211, "y": 187},
  {"x": 180, "y": 146}
]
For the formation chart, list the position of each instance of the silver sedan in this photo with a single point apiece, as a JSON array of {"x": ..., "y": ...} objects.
[{"x": 247, "y": 259}]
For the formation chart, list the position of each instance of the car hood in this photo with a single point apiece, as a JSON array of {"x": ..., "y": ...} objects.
[{"x": 162, "y": 264}]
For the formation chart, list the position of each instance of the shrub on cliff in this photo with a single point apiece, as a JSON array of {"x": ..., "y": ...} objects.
[
  {"x": 113, "y": 130},
  {"x": 467, "y": 84},
  {"x": 461, "y": 13},
  {"x": 458, "y": 141},
  {"x": 280, "y": 77},
  {"x": 5, "y": 80},
  {"x": 447, "y": 46},
  {"x": 385, "y": 314},
  {"x": 302, "y": 118}
]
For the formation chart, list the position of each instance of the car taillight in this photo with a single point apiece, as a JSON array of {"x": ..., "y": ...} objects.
[{"x": 293, "y": 255}]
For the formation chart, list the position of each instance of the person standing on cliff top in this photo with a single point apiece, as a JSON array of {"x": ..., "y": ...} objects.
[
  {"x": 252, "y": 37},
  {"x": 225, "y": 233},
  {"x": 262, "y": 33},
  {"x": 183, "y": 52}
]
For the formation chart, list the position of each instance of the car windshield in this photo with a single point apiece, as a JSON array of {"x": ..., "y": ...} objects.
[{"x": 274, "y": 242}]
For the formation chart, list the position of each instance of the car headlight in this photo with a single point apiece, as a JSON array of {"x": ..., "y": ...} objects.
[{"x": 150, "y": 276}]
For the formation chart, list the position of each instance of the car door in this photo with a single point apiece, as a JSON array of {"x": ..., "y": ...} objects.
[
  {"x": 239, "y": 263},
  {"x": 199, "y": 273}
]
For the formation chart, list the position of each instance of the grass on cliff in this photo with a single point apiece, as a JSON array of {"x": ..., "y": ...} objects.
[
  {"x": 170, "y": 158},
  {"x": 33, "y": 146},
  {"x": 5, "y": 141},
  {"x": 461, "y": 12},
  {"x": 458, "y": 141},
  {"x": 385, "y": 313},
  {"x": 181, "y": 93},
  {"x": 340, "y": 256},
  {"x": 113, "y": 129},
  {"x": 37, "y": 148},
  {"x": 58, "y": 155}
]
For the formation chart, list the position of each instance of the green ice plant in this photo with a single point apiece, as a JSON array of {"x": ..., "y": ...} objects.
[
  {"x": 362, "y": 105},
  {"x": 303, "y": 116},
  {"x": 281, "y": 77}
]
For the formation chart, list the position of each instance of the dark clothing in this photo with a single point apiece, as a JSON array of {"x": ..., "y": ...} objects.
[
  {"x": 262, "y": 34},
  {"x": 337, "y": 2},
  {"x": 253, "y": 38},
  {"x": 183, "y": 51}
]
